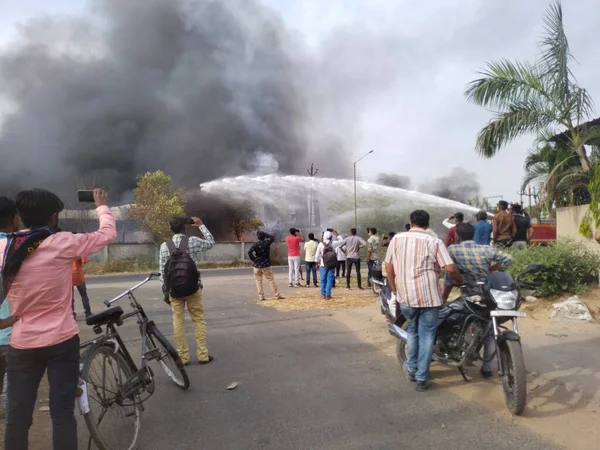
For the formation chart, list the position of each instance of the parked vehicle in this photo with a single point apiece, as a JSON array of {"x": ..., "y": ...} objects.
[{"x": 466, "y": 322}]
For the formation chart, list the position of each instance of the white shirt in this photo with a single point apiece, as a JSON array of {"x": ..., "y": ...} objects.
[
  {"x": 321, "y": 249},
  {"x": 339, "y": 251}
]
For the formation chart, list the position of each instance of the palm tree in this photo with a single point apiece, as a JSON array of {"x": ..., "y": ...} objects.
[{"x": 540, "y": 98}]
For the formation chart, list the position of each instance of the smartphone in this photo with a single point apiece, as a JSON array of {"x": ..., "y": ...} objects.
[
  {"x": 186, "y": 220},
  {"x": 85, "y": 196}
]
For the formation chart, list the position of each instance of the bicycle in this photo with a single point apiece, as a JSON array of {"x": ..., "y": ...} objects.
[{"x": 122, "y": 386}]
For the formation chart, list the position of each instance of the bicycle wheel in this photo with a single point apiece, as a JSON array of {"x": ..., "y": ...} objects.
[
  {"x": 113, "y": 420},
  {"x": 169, "y": 359}
]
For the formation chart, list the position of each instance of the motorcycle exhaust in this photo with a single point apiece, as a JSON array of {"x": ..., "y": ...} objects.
[{"x": 397, "y": 332}]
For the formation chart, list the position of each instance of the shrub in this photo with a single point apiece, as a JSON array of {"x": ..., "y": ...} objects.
[{"x": 569, "y": 266}]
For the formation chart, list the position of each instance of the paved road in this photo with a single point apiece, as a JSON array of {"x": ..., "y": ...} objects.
[{"x": 305, "y": 382}]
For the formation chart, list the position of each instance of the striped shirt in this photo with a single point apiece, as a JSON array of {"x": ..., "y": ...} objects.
[
  {"x": 196, "y": 246},
  {"x": 417, "y": 258}
]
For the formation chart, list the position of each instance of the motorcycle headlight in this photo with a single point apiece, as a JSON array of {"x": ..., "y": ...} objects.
[{"x": 505, "y": 299}]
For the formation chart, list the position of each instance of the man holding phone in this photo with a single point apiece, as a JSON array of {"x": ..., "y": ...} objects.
[{"x": 178, "y": 258}]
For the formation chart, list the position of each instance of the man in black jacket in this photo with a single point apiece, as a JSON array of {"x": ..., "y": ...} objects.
[{"x": 260, "y": 254}]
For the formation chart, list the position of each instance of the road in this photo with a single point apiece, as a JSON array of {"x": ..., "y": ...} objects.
[{"x": 306, "y": 381}]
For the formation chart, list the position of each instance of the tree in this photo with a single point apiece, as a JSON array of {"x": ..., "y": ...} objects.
[
  {"x": 155, "y": 203},
  {"x": 480, "y": 202},
  {"x": 243, "y": 220},
  {"x": 538, "y": 98}
]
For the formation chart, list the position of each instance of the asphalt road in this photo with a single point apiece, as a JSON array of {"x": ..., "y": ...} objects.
[{"x": 305, "y": 382}]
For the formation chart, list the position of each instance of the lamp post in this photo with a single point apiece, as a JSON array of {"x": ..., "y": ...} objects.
[{"x": 355, "y": 216}]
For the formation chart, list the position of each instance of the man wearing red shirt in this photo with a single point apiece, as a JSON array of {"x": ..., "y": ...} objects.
[
  {"x": 293, "y": 244},
  {"x": 451, "y": 236}
]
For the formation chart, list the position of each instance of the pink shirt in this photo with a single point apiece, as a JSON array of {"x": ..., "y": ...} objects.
[
  {"x": 41, "y": 293},
  {"x": 293, "y": 243}
]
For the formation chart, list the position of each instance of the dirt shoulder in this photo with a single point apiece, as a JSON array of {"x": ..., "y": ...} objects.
[{"x": 562, "y": 362}]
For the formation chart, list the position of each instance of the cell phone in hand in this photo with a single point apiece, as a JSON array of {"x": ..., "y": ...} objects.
[
  {"x": 186, "y": 220},
  {"x": 85, "y": 196}
]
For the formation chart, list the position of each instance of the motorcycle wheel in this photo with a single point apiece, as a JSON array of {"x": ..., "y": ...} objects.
[
  {"x": 376, "y": 288},
  {"x": 514, "y": 381},
  {"x": 401, "y": 347}
]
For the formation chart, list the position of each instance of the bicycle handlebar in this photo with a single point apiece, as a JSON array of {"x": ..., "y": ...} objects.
[{"x": 152, "y": 276}]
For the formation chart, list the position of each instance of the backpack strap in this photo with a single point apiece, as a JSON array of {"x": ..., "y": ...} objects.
[
  {"x": 183, "y": 245},
  {"x": 170, "y": 246}
]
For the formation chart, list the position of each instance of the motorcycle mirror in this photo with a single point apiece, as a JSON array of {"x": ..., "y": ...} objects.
[{"x": 533, "y": 268}]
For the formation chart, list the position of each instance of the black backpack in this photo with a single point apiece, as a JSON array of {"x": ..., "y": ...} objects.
[
  {"x": 181, "y": 273},
  {"x": 329, "y": 257}
]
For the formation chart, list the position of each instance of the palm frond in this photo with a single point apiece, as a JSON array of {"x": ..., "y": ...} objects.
[
  {"x": 555, "y": 55},
  {"x": 504, "y": 82},
  {"x": 520, "y": 119},
  {"x": 590, "y": 135}
]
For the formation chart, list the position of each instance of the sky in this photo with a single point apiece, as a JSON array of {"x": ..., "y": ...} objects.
[{"x": 419, "y": 124}]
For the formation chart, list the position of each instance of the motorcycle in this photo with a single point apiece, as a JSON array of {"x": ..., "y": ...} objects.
[{"x": 465, "y": 323}]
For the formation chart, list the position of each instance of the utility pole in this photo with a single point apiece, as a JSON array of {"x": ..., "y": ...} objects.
[
  {"x": 521, "y": 194},
  {"x": 355, "y": 214},
  {"x": 312, "y": 172}
]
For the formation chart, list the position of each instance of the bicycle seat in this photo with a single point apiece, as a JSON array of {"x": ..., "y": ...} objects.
[{"x": 108, "y": 315}]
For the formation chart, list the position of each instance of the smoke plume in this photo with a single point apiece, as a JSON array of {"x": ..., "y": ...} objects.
[
  {"x": 459, "y": 185},
  {"x": 392, "y": 180},
  {"x": 199, "y": 89}
]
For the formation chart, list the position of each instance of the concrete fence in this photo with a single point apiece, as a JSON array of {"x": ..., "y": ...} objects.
[
  {"x": 567, "y": 224},
  {"x": 222, "y": 252}
]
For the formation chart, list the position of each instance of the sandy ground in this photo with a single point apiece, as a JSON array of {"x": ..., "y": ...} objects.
[{"x": 563, "y": 365}]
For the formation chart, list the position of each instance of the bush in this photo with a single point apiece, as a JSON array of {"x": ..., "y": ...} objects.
[{"x": 569, "y": 266}]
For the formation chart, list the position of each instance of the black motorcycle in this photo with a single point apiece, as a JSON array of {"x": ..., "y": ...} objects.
[{"x": 466, "y": 322}]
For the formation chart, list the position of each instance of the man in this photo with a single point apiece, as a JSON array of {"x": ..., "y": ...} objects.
[
  {"x": 372, "y": 253},
  {"x": 9, "y": 223},
  {"x": 475, "y": 262},
  {"x": 293, "y": 244},
  {"x": 310, "y": 252},
  {"x": 451, "y": 236},
  {"x": 522, "y": 226},
  {"x": 406, "y": 228},
  {"x": 260, "y": 254},
  {"x": 178, "y": 297},
  {"x": 412, "y": 265},
  {"x": 483, "y": 229},
  {"x": 353, "y": 245},
  {"x": 79, "y": 283},
  {"x": 503, "y": 225},
  {"x": 341, "y": 259},
  {"x": 36, "y": 278},
  {"x": 327, "y": 260}
]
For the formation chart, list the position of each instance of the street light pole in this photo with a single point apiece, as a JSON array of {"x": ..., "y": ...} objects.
[{"x": 355, "y": 214}]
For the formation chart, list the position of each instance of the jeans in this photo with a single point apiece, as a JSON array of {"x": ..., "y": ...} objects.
[
  {"x": 84, "y": 299},
  {"x": 370, "y": 265},
  {"x": 423, "y": 323},
  {"x": 294, "y": 268},
  {"x": 327, "y": 279},
  {"x": 311, "y": 266},
  {"x": 196, "y": 310},
  {"x": 25, "y": 371},
  {"x": 340, "y": 265},
  {"x": 489, "y": 347},
  {"x": 350, "y": 262}
]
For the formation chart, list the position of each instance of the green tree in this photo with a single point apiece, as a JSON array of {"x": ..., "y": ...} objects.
[
  {"x": 481, "y": 203},
  {"x": 155, "y": 202},
  {"x": 540, "y": 98},
  {"x": 243, "y": 220}
]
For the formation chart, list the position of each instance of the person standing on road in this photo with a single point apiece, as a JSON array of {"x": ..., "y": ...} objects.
[
  {"x": 37, "y": 280},
  {"x": 503, "y": 225},
  {"x": 79, "y": 283},
  {"x": 372, "y": 253},
  {"x": 353, "y": 245},
  {"x": 310, "y": 253},
  {"x": 483, "y": 229},
  {"x": 327, "y": 260},
  {"x": 522, "y": 226},
  {"x": 260, "y": 254},
  {"x": 340, "y": 252},
  {"x": 9, "y": 223},
  {"x": 451, "y": 236},
  {"x": 412, "y": 265},
  {"x": 182, "y": 285},
  {"x": 293, "y": 244}
]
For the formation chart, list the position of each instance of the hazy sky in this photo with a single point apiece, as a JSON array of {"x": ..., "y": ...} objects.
[{"x": 420, "y": 125}]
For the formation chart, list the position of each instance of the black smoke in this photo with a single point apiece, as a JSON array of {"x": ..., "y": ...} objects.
[
  {"x": 199, "y": 89},
  {"x": 392, "y": 180},
  {"x": 459, "y": 185}
]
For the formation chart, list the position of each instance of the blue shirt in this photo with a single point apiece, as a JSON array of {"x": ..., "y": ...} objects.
[
  {"x": 483, "y": 232},
  {"x": 4, "y": 312}
]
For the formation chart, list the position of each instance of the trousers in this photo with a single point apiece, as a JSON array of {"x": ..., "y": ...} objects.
[
  {"x": 196, "y": 310},
  {"x": 267, "y": 272},
  {"x": 294, "y": 269}
]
